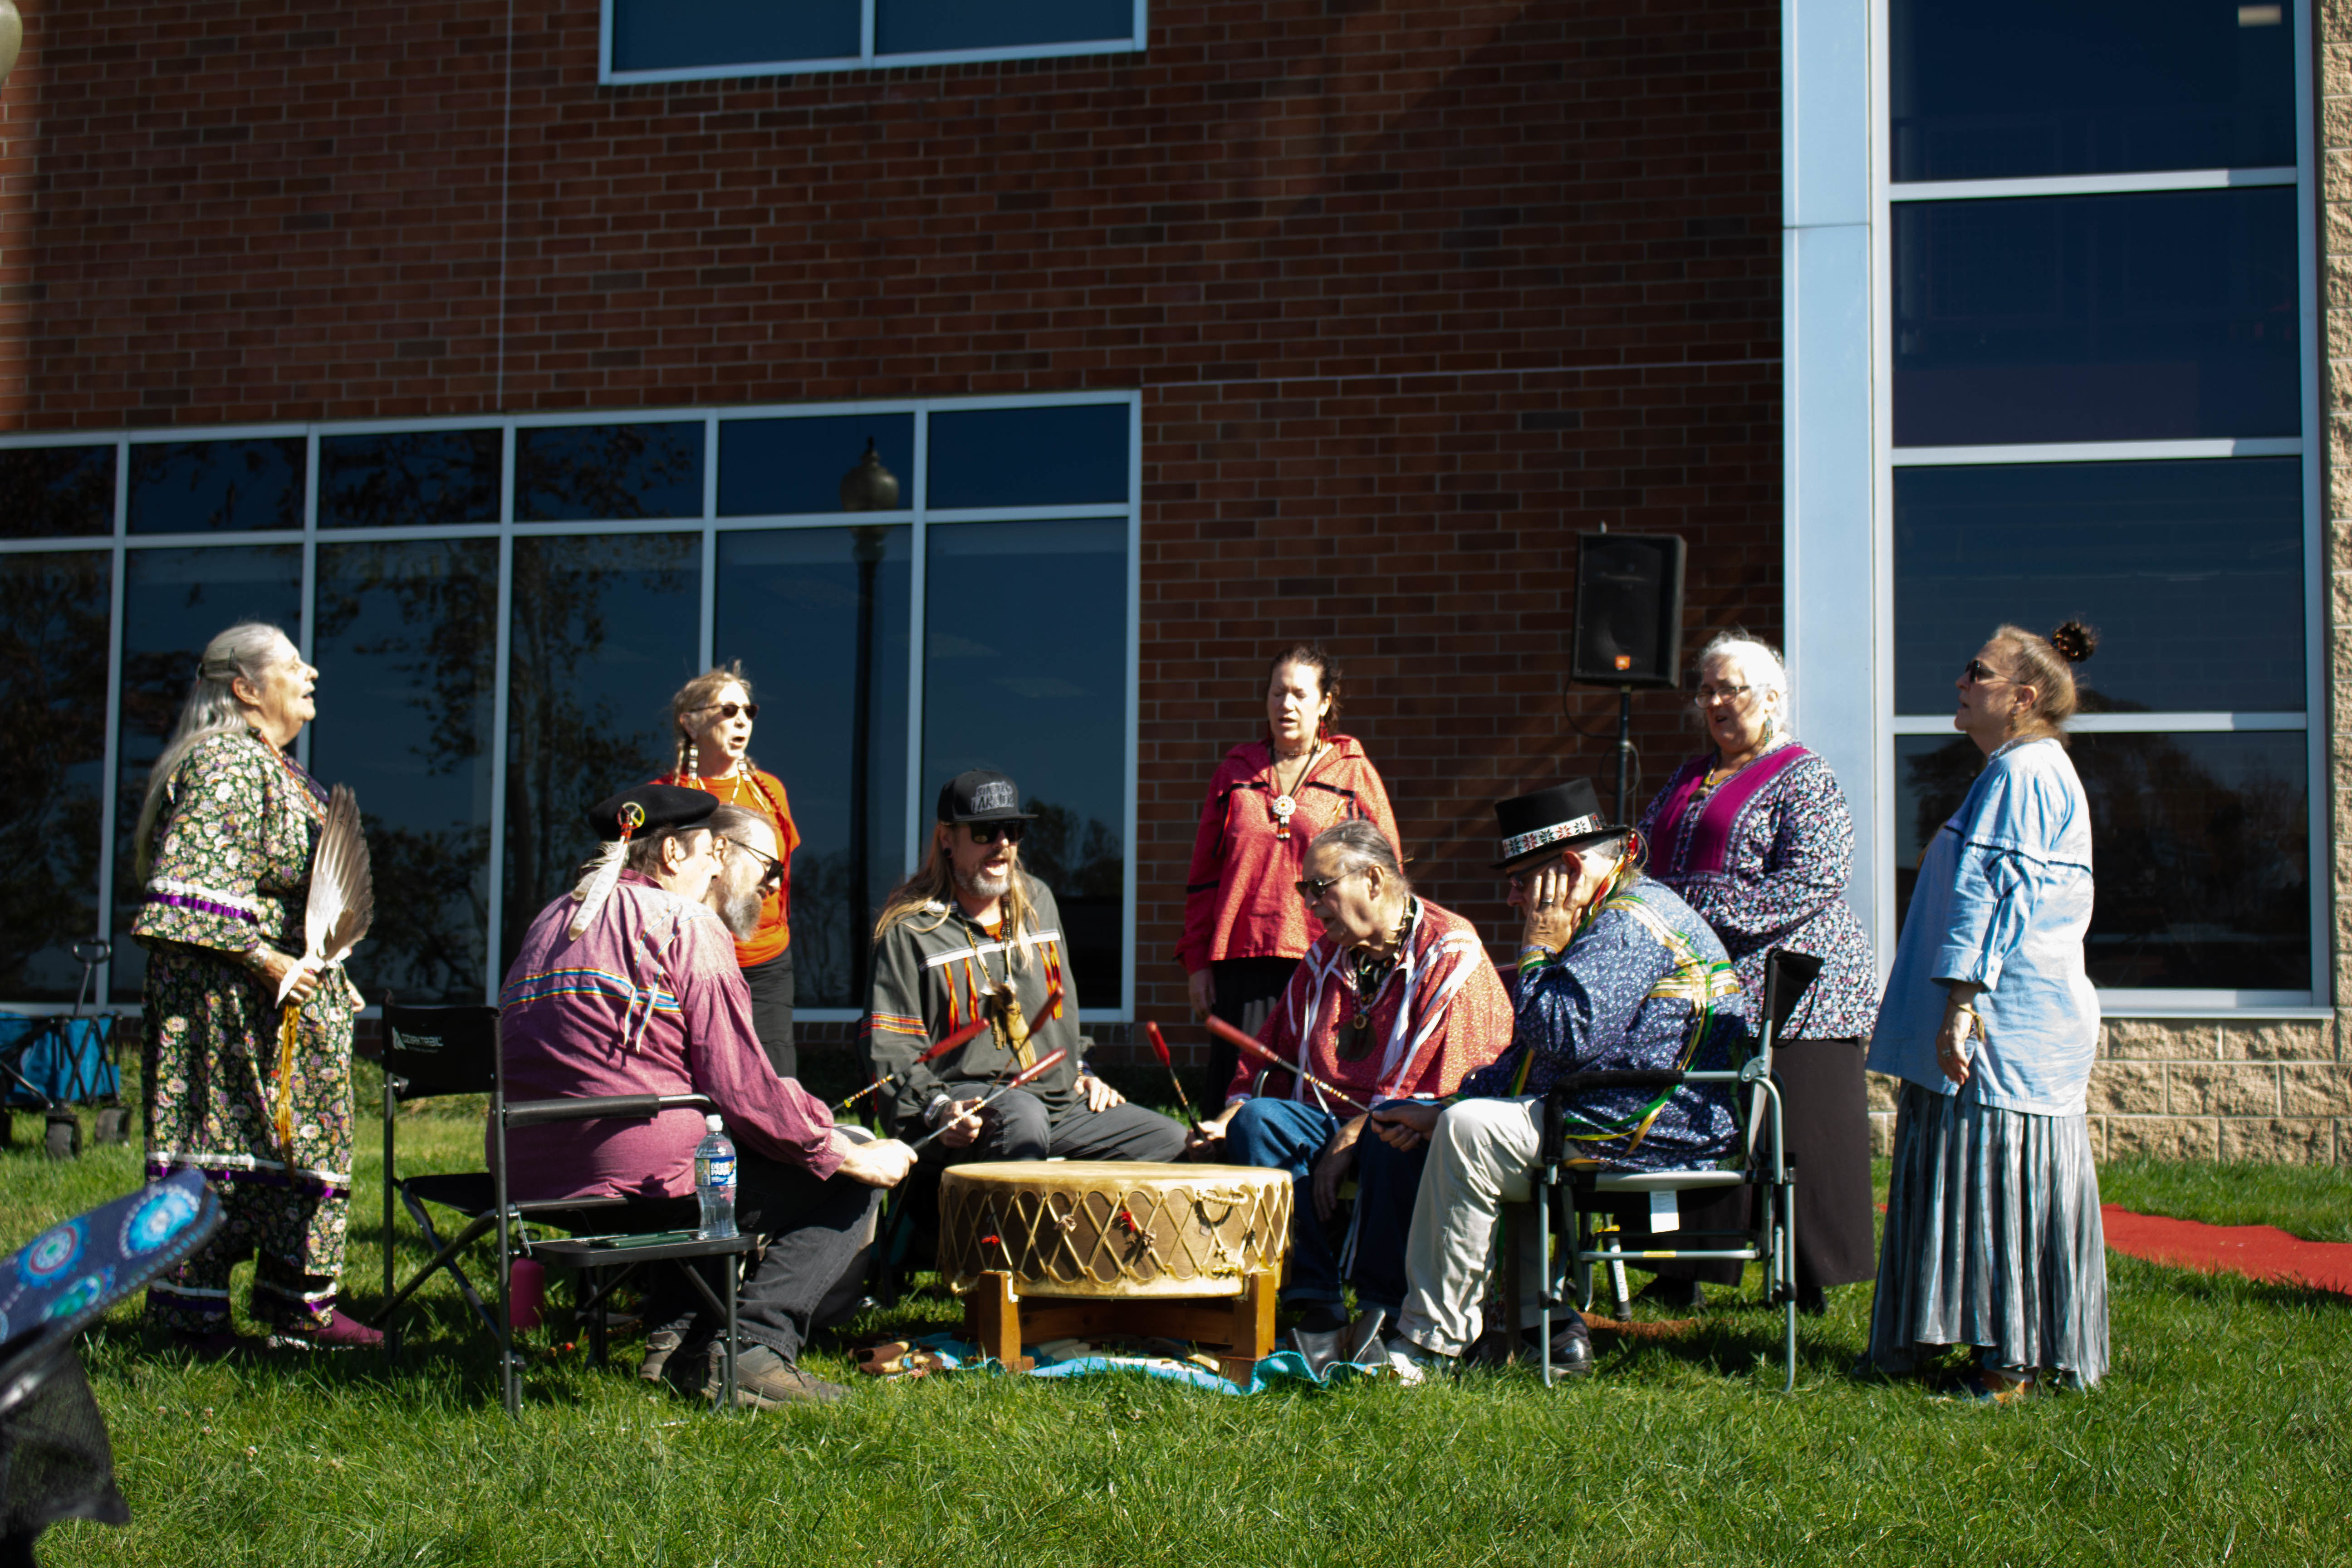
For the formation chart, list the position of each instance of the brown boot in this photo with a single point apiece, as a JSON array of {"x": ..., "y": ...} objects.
[
  {"x": 660, "y": 1345},
  {"x": 764, "y": 1380}
]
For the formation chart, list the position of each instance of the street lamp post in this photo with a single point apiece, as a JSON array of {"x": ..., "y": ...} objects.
[{"x": 868, "y": 486}]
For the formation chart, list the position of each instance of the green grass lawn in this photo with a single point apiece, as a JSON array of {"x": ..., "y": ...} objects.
[{"x": 2223, "y": 1434}]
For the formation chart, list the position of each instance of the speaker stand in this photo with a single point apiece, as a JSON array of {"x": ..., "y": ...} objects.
[{"x": 1624, "y": 747}]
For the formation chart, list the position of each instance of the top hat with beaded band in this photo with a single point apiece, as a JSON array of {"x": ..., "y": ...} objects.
[{"x": 1550, "y": 820}]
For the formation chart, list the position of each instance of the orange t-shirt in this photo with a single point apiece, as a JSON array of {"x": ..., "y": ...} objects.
[{"x": 763, "y": 793}]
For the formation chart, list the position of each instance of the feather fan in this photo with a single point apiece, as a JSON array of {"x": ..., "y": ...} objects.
[{"x": 343, "y": 890}]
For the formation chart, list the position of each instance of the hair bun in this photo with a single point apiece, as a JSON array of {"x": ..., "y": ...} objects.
[{"x": 2074, "y": 642}]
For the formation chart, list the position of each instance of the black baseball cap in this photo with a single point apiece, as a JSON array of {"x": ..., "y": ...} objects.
[{"x": 983, "y": 795}]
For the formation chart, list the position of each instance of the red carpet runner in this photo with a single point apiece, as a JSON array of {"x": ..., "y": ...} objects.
[{"x": 2257, "y": 1251}]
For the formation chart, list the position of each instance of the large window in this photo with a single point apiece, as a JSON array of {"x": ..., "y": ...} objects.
[
  {"x": 2102, "y": 405},
  {"x": 501, "y": 609},
  {"x": 679, "y": 40}
]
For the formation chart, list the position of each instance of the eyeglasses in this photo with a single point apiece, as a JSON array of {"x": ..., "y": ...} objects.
[
  {"x": 1977, "y": 669},
  {"x": 774, "y": 876},
  {"x": 1708, "y": 696},
  {"x": 990, "y": 832},
  {"x": 729, "y": 710},
  {"x": 1313, "y": 888}
]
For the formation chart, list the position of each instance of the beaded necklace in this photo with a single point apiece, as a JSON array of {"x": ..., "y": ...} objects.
[{"x": 1371, "y": 974}]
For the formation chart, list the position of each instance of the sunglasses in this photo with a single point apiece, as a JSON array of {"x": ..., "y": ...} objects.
[
  {"x": 990, "y": 832},
  {"x": 1313, "y": 888},
  {"x": 774, "y": 876},
  {"x": 729, "y": 710},
  {"x": 1977, "y": 669}
]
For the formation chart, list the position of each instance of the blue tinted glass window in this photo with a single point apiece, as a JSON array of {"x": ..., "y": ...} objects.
[
  {"x": 53, "y": 492},
  {"x": 1042, "y": 697},
  {"x": 53, "y": 644},
  {"x": 215, "y": 487},
  {"x": 671, "y": 35},
  {"x": 174, "y": 603},
  {"x": 820, "y": 617},
  {"x": 916, "y": 26},
  {"x": 2096, "y": 319},
  {"x": 2203, "y": 842},
  {"x": 773, "y": 468},
  {"x": 2191, "y": 572},
  {"x": 597, "y": 473},
  {"x": 604, "y": 631},
  {"x": 409, "y": 478},
  {"x": 406, "y": 650},
  {"x": 1071, "y": 455},
  {"x": 2000, "y": 89}
]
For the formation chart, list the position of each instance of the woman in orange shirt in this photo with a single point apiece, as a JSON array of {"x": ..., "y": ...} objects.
[{"x": 713, "y": 713}]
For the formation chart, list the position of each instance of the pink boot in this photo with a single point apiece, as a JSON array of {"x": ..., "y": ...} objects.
[{"x": 341, "y": 1331}]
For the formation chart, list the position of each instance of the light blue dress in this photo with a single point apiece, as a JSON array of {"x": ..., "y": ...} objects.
[
  {"x": 1992, "y": 1235},
  {"x": 2003, "y": 900}
]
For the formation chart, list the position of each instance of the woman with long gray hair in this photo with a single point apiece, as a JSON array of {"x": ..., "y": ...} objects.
[{"x": 225, "y": 843}]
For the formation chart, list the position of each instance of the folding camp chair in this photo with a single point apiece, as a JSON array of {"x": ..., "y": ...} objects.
[
  {"x": 57, "y": 1063},
  {"x": 455, "y": 1051},
  {"x": 1574, "y": 1199}
]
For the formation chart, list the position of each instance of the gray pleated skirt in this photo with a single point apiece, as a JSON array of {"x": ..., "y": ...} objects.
[{"x": 1992, "y": 1239}]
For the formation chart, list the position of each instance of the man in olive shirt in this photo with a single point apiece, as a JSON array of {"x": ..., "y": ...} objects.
[{"x": 972, "y": 936}]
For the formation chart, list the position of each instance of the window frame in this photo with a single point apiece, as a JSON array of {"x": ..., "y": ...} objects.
[
  {"x": 864, "y": 59},
  {"x": 1886, "y": 722},
  {"x": 917, "y": 514}
]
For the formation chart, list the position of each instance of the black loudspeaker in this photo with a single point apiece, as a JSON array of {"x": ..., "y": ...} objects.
[{"x": 1629, "y": 610}]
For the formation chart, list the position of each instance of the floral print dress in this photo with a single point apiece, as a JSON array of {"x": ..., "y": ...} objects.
[{"x": 232, "y": 873}]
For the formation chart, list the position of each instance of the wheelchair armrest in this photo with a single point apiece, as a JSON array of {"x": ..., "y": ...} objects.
[
  {"x": 1618, "y": 1078},
  {"x": 633, "y": 1106}
]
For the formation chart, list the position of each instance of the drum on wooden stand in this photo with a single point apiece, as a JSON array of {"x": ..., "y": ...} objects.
[{"x": 1178, "y": 1251}]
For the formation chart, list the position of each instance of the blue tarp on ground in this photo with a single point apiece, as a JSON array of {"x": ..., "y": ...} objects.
[
  {"x": 63, "y": 1059},
  {"x": 1283, "y": 1366}
]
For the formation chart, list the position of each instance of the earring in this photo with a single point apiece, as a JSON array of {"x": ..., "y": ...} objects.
[
  {"x": 693, "y": 761},
  {"x": 1770, "y": 730}
]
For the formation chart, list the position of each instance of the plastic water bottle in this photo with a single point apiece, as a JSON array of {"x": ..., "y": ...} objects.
[{"x": 714, "y": 1181}]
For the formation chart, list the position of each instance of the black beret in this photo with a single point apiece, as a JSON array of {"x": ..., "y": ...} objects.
[{"x": 648, "y": 808}]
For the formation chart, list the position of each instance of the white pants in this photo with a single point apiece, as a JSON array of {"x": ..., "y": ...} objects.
[{"x": 1482, "y": 1156}]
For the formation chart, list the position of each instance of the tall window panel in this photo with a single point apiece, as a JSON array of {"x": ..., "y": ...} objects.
[
  {"x": 2102, "y": 393},
  {"x": 406, "y": 649},
  {"x": 176, "y": 601},
  {"x": 802, "y": 609},
  {"x": 1040, "y": 696},
  {"x": 53, "y": 644}
]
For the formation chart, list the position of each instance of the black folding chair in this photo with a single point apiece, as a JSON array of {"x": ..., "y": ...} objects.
[
  {"x": 455, "y": 1051},
  {"x": 1577, "y": 1200}
]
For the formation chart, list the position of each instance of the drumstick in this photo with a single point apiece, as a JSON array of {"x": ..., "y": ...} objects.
[
  {"x": 1161, "y": 1046},
  {"x": 970, "y": 1031},
  {"x": 1232, "y": 1036},
  {"x": 1052, "y": 1058}
]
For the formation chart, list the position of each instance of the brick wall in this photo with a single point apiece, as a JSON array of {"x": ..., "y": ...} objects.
[{"x": 1414, "y": 291}]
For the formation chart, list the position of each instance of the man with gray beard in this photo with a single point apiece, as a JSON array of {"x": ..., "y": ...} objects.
[{"x": 970, "y": 938}]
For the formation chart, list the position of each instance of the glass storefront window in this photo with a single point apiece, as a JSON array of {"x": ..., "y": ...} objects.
[
  {"x": 1074, "y": 455},
  {"x": 217, "y": 487},
  {"x": 56, "y": 492},
  {"x": 405, "y": 479},
  {"x": 1025, "y": 644},
  {"x": 781, "y": 468},
  {"x": 53, "y": 643},
  {"x": 2108, "y": 318},
  {"x": 820, "y": 617},
  {"x": 406, "y": 648},
  {"x": 174, "y": 603},
  {"x": 2201, "y": 844},
  {"x": 2014, "y": 88},
  {"x": 2192, "y": 573},
  {"x": 603, "y": 631}
]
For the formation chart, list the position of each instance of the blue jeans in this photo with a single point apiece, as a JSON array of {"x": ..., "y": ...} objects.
[{"x": 1285, "y": 1136}]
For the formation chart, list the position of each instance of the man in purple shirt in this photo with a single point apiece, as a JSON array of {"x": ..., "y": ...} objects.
[{"x": 628, "y": 984}]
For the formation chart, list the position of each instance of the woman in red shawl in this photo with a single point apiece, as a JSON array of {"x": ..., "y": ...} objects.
[{"x": 1245, "y": 927}]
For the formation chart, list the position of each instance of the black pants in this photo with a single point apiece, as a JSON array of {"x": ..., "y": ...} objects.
[
  {"x": 817, "y": 1233},
  {"x": 1247, "y": 989},
  {"x": 1020, "y": 1126},
  {"x": 1825, "y": 1117},
  {"x": 771, "y": 1010}
]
